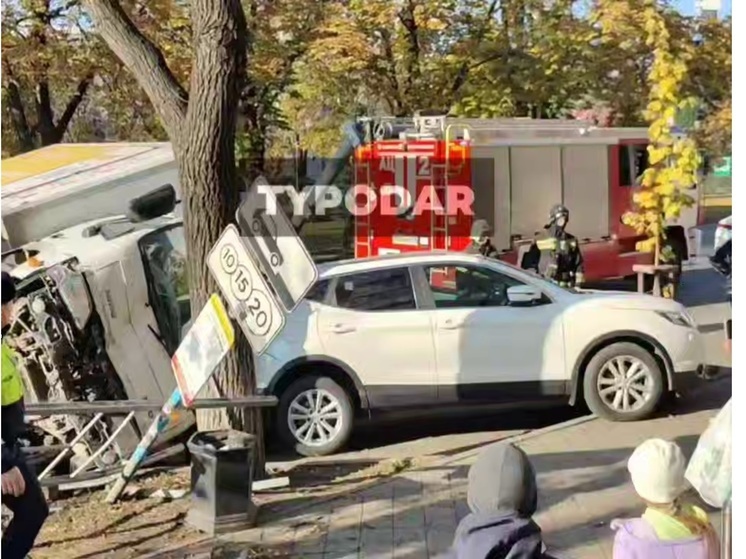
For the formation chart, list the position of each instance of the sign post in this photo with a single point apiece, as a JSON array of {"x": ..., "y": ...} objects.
[
  {"x": 203, "y": 348},
  {"x": 205, "y": 345}
]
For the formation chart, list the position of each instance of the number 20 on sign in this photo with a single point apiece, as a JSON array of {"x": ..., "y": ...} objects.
[{"x": 245, "y": 290}]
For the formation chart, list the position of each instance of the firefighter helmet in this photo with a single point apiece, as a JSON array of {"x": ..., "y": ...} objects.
[
  {"x": 480, "y": 229},
  {"x": 558, "y": 211}
]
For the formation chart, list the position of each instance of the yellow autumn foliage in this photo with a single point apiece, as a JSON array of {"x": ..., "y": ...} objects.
[{"x": 673, "y": 161}]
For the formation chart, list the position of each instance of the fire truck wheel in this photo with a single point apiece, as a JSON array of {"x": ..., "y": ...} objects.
[
  {"x": 623, "y": 382},
  {"x": 315, "y": 416}
]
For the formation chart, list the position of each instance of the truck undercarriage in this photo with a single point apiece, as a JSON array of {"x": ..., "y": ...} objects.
[{"x": 59, "y": 342}]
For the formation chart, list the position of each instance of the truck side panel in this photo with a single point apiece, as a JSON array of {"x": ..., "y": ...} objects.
[
  {"x": 585, "y": 190},
  {"x": 536, "y": 184},
  {"x": 491, "y": 182},
  {"x": 111, "y": 198}
]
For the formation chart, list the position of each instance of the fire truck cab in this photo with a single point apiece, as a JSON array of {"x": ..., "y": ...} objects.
[{"x": 515, "y": 170}]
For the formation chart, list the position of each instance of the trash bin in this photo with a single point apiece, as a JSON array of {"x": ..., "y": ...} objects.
[{"x": 221, "y": 481}]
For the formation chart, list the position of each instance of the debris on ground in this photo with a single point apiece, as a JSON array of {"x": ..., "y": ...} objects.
[
  {"x": 151, "y": 517},
  {"x": 86, "y": 526},
  {"x": 270, "y": 483},
  {"x": 169, "y": 494}
]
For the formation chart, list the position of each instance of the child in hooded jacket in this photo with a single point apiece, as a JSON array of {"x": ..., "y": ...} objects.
[
  {"x": 502, "y": 497},
  {"x": 669, "y": 528}
]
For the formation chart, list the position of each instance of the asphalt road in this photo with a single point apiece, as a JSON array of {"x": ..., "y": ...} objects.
[{"x": 418, "y": 434}]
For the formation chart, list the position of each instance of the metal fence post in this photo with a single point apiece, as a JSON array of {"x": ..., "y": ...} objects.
[
  {"x": 156, "y": 428},
  {"x": 726, "y": 551}
]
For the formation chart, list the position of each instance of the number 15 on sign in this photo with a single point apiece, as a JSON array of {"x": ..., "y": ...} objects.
[{"x": 248, "y": 295}]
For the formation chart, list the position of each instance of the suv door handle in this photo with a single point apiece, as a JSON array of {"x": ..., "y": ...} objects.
[
  {"x": 450, "y": 324},
  {"x": 342, "y": 328}
]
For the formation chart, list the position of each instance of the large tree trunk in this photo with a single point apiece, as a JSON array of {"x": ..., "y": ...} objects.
[
  {"x": 208, "y": 174},
  {"x": 202, "y": 129}
]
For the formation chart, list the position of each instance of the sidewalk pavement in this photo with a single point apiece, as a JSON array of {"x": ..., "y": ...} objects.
[{"x": 583, "y": 485}]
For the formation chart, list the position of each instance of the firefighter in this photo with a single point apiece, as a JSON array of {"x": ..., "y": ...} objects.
[
  {"x": 557, "y": 256},
  {"x": 722, "y": 261},
  {"x": 480, "y": 242},
  {"x": 20, "y": 488}
]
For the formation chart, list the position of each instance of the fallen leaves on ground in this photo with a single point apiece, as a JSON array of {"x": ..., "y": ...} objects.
[{"x": 84, "y": 525}]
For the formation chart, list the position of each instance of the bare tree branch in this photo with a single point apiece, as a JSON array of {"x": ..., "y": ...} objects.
[
  {"x": 144, "y": 59},
  {"x": 44, "y": 113},
  {"x": 407, "y": 19},
  {"x": 390, "y": 71},
  {"x": 72, "y": 106}
]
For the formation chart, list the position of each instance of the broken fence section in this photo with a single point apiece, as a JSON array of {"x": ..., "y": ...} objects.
[{"x": 82, "y": 477}]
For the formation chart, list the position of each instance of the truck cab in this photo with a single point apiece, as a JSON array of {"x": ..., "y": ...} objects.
[{"x": 102, "y": 307}]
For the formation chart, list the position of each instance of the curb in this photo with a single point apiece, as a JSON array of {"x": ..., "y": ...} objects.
[
  {"x": 445, "y": 461},
  {"x": 519, "y": 438}
]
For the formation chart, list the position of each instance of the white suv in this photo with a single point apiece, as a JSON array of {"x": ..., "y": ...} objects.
[{"x": 438, "y": 329}]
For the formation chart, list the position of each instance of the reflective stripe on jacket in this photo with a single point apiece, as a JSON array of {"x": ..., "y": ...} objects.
[{"x": 12, "y": 389}]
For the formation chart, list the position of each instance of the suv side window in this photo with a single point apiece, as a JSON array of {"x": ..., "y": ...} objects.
[
  {"x": 378, "y": 290},
  {"x": 317, "y": 293},
  {"x": 468, "y": 286}
]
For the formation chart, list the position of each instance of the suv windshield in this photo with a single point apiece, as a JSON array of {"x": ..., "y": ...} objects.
[{"x": 164, "y": 257}]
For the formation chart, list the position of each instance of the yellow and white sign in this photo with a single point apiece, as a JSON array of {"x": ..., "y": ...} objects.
[{"x": 203, "y": 348}]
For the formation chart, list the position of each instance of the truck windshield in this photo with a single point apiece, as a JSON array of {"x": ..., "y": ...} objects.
[{"x": 164, "y": 257}]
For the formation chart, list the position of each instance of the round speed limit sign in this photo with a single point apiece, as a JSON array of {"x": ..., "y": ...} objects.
[
  {"x": 241, "y": 283},
  {"x": 248, "y": 293},
  {"x": 229, "y": 259},
  {"x": 258, "y": 313}
]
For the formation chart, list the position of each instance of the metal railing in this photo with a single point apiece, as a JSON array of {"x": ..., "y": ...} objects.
[{"x": 102, "y": 408}]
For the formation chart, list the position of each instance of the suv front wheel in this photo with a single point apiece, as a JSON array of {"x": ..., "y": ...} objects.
[
  {"x": 623, "y": 382},
  {"x": 315, "y": 416}
]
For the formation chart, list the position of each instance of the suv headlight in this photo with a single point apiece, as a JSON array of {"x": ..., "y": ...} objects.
[{"x": 678, "y": 318}]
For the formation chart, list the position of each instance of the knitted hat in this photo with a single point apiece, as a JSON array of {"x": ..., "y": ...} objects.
[
  {"x": 8, "y": 288},
  {"x": 657, "y": 469}
]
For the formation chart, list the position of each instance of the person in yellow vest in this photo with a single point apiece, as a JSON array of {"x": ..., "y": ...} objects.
[{"x": 20, "y": 488}]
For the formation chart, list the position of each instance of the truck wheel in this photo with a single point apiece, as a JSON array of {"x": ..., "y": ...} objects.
[
  {"x": 315, "y": 416},
  {"x": 623, "y": 382}
]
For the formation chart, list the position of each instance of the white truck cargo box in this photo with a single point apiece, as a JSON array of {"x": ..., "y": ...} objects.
[{"x": 59, "y": 186}]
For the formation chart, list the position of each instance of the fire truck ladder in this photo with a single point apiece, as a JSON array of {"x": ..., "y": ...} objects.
[
  {"x": 431, "y": 128},
  {"x": 364, "y": 248},
  {"x": 439, "y": 223}
]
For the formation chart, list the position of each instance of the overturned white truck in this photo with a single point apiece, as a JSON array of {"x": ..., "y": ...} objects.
[
  {"x": 103, "y": 298},
  {"x": 102, "y": 306}
]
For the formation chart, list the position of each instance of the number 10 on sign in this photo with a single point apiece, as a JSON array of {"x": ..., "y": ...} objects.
[{"x": 245, "y": 290}]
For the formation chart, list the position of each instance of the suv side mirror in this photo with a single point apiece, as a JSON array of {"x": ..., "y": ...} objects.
[
  {"x": 151, "y": 205},
  {"x": 523, "y": 294}
]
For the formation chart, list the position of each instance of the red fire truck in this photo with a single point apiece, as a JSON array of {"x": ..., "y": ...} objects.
[{"x": 516, "y": 169}]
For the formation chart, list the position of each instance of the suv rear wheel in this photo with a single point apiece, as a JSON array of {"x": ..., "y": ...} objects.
[
  {"x": 623, "y": 382},
  {"x": 315, "y": 416}
]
